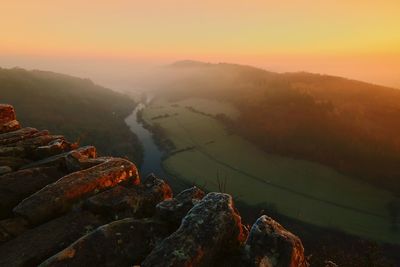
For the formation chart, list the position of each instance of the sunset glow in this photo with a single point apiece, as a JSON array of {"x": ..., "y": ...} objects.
[{"x": 349, "y": 38}]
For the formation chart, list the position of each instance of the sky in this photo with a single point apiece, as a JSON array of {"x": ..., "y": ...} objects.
[{"x": 112, "y": 41}]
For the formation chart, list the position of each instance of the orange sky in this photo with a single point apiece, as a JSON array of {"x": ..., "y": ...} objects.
[{"x": 353, "y": 38}]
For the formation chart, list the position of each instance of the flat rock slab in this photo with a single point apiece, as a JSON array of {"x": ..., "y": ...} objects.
[
  {"x": 269, "y": 244},
  {"x": 209, "y": 228},
  {"x": 13, "y": 137},
  {"x": 16, "y": 186},
  {"x": 121, "y": 243},
  {"x": 36, "y": 245},
  {"x": 137, "y": 201},
  {"x": 26, "y": 147},
  {"x": 59, "y": 197}
]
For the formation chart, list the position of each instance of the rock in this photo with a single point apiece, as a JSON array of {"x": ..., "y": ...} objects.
[
  {"x": 13, "y": 162},
  {"x": 120, "y": 243},
  {"x": 7, "y": 113},
  {"x": 69, "y": 161},
  {"x": 138, "y": 201},
  {"x": 36, "y": 245},
  {"x": 211, "y": 227},
  {"x": 9, "y": 126},
  {"x": 269, "y": 244},
  {"x": 55, "y": 147},
  {"x": 11, "y": 228},
  {"x": 173, "y": 210},
  {"x": 21, "y": 134},
  {"x": 16, "y": 151},
  {"x": 59, "y": 197},
  {"x": 26, "y": 147},
  {"x": 153, "y": 191},
  {"x": 5, "y": 169},
  {"x": 16, "y": 186},
  {"x": 75, "y": 164},
  {"x": 330, "y": 264}
]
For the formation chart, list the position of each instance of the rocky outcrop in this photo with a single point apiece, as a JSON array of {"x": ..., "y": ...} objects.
[
  {"x": 33, "y": 246},
  {"x": 16, "y": 186},
  {"x": 8, "y": 120},
  {"x": 269, "y": 244},
  {"x": 61, "y": 205},
  {"x": 19, "y": 135},
  {"x": 138, "y": 202},
  {"x": 7, "y": 113},
  {"x": 211, "y": 227},
  {"x": 173, "y": 210},
  {"x": 121, "y": 243},
  {"x": 58, "y": 197}
]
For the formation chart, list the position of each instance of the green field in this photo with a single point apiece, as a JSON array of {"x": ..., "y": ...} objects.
[{"x": 299, "y": 189}]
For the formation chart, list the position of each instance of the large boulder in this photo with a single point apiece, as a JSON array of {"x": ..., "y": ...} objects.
[
  {"x": 137, "y": 201},
  {"x": 269, "y": 244},
  {"x": 121, "y": 243},
  {"x": 8, "y": 120},
  {"x": 211, "y": 228},
  {"x": 16, "y": 186},
  {"x": 7, "y": 113},
  {"x": 36, "y": 245},
  {"x": 173, "y": 210},
  {"x": 59, "y": 197}
]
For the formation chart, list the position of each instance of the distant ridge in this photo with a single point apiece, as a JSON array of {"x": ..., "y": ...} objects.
[
  {"x": 291, "y": 74},
  {"x": 189, "y": 63}
]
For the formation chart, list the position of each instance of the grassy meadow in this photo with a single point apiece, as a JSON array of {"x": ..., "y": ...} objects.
[{"x": 299, "y": 189}]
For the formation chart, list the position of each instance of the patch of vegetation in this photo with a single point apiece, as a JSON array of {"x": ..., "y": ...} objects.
[{"x": 74, "y": 107}]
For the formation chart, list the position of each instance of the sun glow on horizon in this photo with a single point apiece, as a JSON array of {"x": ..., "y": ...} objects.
[{"x": 350, "y": 38}]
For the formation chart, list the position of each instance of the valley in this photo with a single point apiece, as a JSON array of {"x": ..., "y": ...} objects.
[{"x": 201, "y": 151}]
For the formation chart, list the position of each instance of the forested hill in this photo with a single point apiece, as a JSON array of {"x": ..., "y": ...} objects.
[
  {"x": 350, "y": 125},
  {"x": 80, "y": 109}
]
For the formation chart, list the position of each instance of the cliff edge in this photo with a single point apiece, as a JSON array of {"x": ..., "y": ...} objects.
[{"x": 61, "y": 205}]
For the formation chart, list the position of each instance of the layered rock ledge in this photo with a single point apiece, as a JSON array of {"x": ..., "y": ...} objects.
[{"x": 61, "y": 205}]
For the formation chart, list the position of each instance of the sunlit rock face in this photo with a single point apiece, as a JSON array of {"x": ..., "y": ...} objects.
[
  {"x": 8, "y": 120},
  {"x": 269, "y": 244},
  {"x": 211, "y": 227},
  {"x": 61, "y": 205},
  {"x": 7, "y": 113}
]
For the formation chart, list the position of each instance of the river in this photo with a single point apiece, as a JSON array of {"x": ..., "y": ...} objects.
[{"x": 152, "y": 159}]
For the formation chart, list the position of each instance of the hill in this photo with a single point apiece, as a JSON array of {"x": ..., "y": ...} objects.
[
  {"x": 346, "y": 124},
  {"x": 80, "y": 109}
]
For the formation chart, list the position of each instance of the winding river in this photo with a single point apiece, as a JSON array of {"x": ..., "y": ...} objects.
[{"x": 152, "y": 159}]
